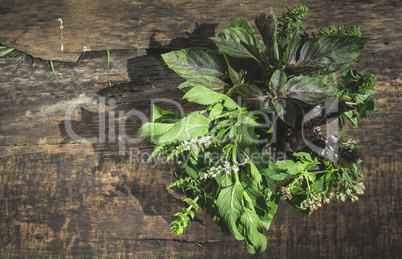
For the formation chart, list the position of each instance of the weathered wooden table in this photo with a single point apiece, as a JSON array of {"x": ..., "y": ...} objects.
[{"x": 60, "y": 197}]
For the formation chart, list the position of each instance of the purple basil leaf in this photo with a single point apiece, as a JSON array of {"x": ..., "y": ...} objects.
[
  {"x": 251, "y": 95},
  {"x": 308, "y": 90},
  {"x": 330, "y": 53},
  {"x": 265, "y": 23},
  {"x": 285, "y": 110},
  {"x": 277, "y": 83}
]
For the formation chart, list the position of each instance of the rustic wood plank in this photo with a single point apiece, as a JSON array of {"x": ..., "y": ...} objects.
[
  {"x": 34, "y": 27},
  {"x": 55, "y": 201},
  {"x": 112, "y": 24}
]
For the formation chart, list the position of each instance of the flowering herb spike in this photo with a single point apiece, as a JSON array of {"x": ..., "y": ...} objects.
[{"x": 260, "y": 138}]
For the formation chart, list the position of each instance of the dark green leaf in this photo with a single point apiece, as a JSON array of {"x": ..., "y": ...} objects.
[
  {"x": 367, "y": 107},
  {"x": 194, "y": 62},
  {"x": 331, "y": 54},
  {"x": 226, "y": 180},
  {"x": 235, "y": 73}
]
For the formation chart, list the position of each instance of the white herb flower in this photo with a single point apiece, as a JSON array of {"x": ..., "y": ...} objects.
[{"x": 226, "y": 164}]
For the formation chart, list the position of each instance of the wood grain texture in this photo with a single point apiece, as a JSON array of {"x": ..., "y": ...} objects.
[
  {"x": 60, "y": 198},
  {"x": 99, "y": 25}
]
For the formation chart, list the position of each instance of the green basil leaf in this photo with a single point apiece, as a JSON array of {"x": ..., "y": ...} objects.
[
  {"x": 352, "y": 117},
  {"x": 241, "y": 23},
  {"x": 367, "y": 107},
  {"x": 230, "y": 41},
  {"x": 253, "y": 229},
  {"x": 194, "y": 62},
  {"x": 202, "y": 95},
  {"x": 162, "y": 116},
  {"x": 255, "y": 173},
  {"x": 192, "y": 172},
  {"x": 331, "y": 53},
  {"x": 275, "y": 173},
  {"x": 193, "y": 125},
  {"x": 215, "y": 111},
  {"x": 151, "y": 132},
  {"x": 230, "y": 206},
  {"x": 309, "y": 90},
  {"x": 210, "y": 82}
]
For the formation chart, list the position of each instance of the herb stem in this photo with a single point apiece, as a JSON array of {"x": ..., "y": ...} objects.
[{"x": 319, "y": 172}]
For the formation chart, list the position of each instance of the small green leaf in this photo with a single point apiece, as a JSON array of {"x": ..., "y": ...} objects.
[
  {"x": 194, "y": 62},
  {"x": 159, "y": 115},
  {"x": 303, "y": 155},
  {"x": 352, "y": 117},
  {"x": 192, "y": 172},
  {"x": 215, "y": 111}
]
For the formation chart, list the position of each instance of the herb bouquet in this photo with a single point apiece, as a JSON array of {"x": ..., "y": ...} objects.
[{"x": 272, "y": 126}]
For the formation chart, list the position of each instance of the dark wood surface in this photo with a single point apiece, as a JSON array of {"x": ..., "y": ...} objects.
[{"x": 61, "y": 198}]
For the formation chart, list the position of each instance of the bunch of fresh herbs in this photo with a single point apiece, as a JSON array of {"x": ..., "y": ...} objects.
[{"x": 261, "y": 137}]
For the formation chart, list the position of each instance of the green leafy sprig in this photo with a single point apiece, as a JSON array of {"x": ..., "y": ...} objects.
[{"x": 259, "y": 138}]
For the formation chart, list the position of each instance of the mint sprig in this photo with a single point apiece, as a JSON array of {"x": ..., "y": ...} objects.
[{"x": 259, "y": 137}]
